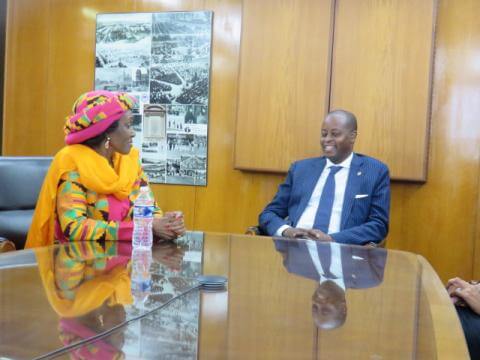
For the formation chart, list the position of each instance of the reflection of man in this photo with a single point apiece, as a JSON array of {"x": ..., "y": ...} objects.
[
  {"x": 342, "y": 196},
  {"x": 335, "y": 268}
]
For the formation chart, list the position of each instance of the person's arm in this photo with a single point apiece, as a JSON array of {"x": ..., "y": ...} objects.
[
  {"x": 375, "y": 229},
  {"x": 274, "y": 214},
  {"x": 74, "y": 221},
  {"x": 166, "y": 226}
]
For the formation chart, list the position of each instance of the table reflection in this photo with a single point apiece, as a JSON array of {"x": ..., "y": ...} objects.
[
  {"x": 88, "y": 285},
  {"x": 84, "y": 290},
  {"x": 97, "y": 286},
  {"x": 336, "y": 268}
]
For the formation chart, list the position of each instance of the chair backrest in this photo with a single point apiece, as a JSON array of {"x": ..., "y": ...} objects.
[{"x": 20, "y": 180}]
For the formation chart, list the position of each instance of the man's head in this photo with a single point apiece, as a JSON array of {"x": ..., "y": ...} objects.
[
  {"x": 329, "y": 307},
  {"x": 339, "y": 131}
]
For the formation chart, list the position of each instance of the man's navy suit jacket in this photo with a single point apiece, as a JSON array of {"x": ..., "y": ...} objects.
[
  {"x": 366, "y": 205},
  {"x": 362, "y": 267}
]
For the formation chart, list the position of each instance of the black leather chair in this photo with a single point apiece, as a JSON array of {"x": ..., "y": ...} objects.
[{"x": 20, "y": 181}]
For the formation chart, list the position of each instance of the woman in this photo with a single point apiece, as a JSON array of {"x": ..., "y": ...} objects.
[{"x": 90, "y": 188}]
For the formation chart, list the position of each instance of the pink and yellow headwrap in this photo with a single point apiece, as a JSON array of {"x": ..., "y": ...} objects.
[{"x": 93, "y": 112}]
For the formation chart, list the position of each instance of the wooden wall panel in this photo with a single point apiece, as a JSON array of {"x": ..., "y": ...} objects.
[
  {"x": 26, "y": 72},
  {"x": 283, "y": 82},
  {"x": 71, "y": 59},
  {"x": 232, "y": 199},
  {"x": 381, "y": 67},
  {"x": 438, "y": 219}
]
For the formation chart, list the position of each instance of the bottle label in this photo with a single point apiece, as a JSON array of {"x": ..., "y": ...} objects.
[{"x": 143, "y": 211}]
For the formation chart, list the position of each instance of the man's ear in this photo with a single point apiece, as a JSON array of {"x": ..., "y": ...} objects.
[{"x": 353, "y": 136}]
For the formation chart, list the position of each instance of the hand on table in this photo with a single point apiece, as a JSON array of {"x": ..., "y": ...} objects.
[
  {"x": 176, "y": 224},
  {"x": 459, "y": 289},
  {"x": 169, "y": 226},
  {"x": 313, "y": 234},
  {"x": 316, "y": 234}
]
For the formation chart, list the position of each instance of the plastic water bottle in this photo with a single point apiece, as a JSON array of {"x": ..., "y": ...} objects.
[
  {"x": 141, "y": 278},
  {"x": 143, "y": 219}
]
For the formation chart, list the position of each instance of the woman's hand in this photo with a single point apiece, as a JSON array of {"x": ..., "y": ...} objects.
[
  {"x": 460, "y": 289},
  {"x": 177, "y": 224},
  {"x": 170, "y": 226}
]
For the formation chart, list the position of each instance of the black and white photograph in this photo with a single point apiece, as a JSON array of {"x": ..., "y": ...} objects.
[
  {"x": 190, "y": 119},
  {"x": 113, "y": 79},
  {"x": 154, "y": 167},
  {"x": 200, "y": 145},
  {"x": 154, "y": 122},
  {"x": 163, "y": 59},
  {"x": 181, "y": 144},
  {"x": 181, "y": 37},
  {"x": 123, "y": 40},
  {"x": 174, "y": 175},
  {"x": 193, "y": 167},
  {"x": 140, "y": 79},
  {"x": 187, "y": 169},
  {"x": 179, "y": 83}
]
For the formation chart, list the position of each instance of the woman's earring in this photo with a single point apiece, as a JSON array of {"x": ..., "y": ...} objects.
[{"x": 107, "y": 143}]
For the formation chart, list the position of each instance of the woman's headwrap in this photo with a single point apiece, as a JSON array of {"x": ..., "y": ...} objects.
[{"x": 93, "y": 112}]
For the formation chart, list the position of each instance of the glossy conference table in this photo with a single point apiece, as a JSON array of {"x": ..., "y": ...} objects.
[{"x": 275, "y": 305}]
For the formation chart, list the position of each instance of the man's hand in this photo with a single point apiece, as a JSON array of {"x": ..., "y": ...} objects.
[
  {"x": 306, "y": 234},
  {"x": 292, "y": 232},
  {"x": 460, "y": 289},
  {"x": 319, "y": 235}
]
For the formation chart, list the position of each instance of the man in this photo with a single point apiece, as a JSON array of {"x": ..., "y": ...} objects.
[
  {"x": 335, "y": 268},
  {"x": 341, "y": 196}
]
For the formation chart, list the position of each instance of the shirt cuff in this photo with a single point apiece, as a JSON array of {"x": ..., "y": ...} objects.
[{"x": 281, "y": 229}]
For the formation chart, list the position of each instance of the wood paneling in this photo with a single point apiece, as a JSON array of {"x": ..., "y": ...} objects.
[
  {"x": 26, "y": 73},
  {"x": 381, "y": 65},
  {"x": 283, "y": 84},
  {"x": 71, "y": 59},
  {"x": 438, "y": 219},
  {"x": 232, "y": 199}
]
